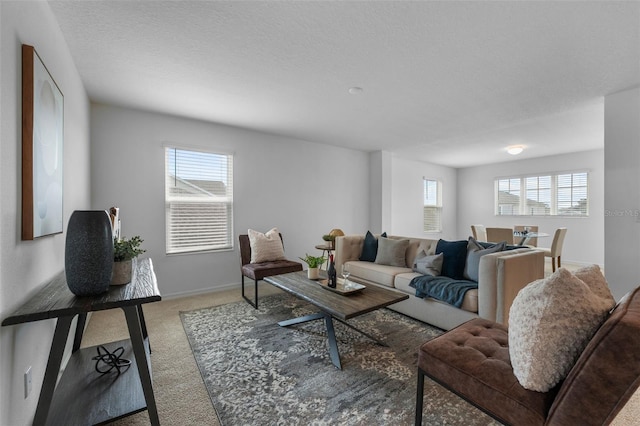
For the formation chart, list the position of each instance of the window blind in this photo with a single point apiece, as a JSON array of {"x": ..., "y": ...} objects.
[
  {"x": 563, "y": 194},
  {"x": 198, "y": 200},
  {"x": 432, "y": 211}
]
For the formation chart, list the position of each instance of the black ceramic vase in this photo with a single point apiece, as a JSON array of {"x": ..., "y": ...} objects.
[{"x": 88, "y": 256}]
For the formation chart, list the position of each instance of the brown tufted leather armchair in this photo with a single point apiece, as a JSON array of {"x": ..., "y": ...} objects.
[
  {"x": 473, "y": 361},
  {"x": 257, "y": 271}
]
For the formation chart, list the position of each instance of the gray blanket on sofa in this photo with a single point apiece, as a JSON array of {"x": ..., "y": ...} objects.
[{"x": 442, "y": 288}]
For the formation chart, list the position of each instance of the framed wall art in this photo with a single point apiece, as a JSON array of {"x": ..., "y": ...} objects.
[{"x": 42, "y": 148}]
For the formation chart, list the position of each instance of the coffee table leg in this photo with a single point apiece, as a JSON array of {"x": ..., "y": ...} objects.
[
  {"x": 331, "y": 334},
  {"x": 300, "y": 320},
  {"x": 333, "y": 344}
]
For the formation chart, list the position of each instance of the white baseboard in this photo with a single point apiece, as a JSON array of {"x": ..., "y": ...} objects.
[{"x": 223, "y": 287}]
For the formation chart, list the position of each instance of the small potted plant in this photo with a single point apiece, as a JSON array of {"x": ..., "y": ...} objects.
[
  {"x": 314, "y": 263},
  {"x": 124, "y": 251},
  {"x": 330, "y": 240}
]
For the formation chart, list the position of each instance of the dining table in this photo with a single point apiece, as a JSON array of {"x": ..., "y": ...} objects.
[{"x": 520, "y": 238}]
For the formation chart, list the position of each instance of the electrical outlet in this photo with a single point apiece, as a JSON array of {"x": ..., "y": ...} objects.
[{"x": 27, "y": 382}]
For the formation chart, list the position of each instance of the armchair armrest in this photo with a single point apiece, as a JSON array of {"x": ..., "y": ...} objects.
[{"x": 348, "y": 247}]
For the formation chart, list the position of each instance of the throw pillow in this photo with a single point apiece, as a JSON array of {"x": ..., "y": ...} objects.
[
  {"x": 550, "y": 323},
  {"x": 392, "y": 252},
  {"x": 428, "y": 264},
  {"x": 592, "y": 276},
  {"x": 266, "y": 247},
  {"x": 370, "y": 247},
  {"x": 474, "y": 252},
  {"x": 455, "y": 256}
]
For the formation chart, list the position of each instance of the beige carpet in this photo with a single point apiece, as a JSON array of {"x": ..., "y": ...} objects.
[
  {"x": 180, "y": 393},
  {"x": 181, "y": 396}
]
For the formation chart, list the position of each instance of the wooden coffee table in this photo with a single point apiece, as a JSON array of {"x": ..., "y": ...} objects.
[{"x": 333, "y": 305}]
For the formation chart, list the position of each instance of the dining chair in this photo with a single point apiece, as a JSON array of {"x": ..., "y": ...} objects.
[
  {"x": 531, "y": 242},
  {"x": 479, "y": 232},
  {"x": 496, "y": 235},
  {"x": 555, "y": 252}
]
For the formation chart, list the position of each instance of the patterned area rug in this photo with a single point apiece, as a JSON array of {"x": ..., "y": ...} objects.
[{"x": 258, "y": 373}]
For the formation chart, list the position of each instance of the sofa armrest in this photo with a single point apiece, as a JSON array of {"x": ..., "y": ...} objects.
[
  {"x": 502, "y": 275},
  {"x": 348, "y": 247}
]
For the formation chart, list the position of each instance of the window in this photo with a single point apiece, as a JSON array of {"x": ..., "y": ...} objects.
[
  {"x": 432, "y": 206},
  {"x": 198, "y": 200},
  {"x": 572, "y": 194},
  {"x": 508, "y": 196},
  {"x": 546, "y": 195},
  {"x": 538, "y": 199}
]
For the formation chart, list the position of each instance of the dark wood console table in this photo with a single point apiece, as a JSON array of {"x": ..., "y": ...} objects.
[{"x": 84, "y": 396}]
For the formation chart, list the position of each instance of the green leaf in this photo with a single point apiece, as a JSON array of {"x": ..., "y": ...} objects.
[{"x": 124, "y": 249}]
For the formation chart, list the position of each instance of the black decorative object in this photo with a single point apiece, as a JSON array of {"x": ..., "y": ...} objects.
[
  {"x": 331, "y": 272},
  {"x": 88, "y": 258},
  {"x": 106, "y": 361}
]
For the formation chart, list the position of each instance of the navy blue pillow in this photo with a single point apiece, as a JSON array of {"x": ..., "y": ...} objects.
[
  {"x": 455, "y": 257},
  {"x": 370, "y": 247}
]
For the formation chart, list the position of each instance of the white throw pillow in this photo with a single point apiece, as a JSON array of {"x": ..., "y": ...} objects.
[
  {"x": 550, "y": 323},
  {"x": 592, "y": 276},
  {"x": 266, "y": 247}
]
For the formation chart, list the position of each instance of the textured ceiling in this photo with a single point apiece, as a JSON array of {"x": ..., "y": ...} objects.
[{"x": 446, "y": 82}]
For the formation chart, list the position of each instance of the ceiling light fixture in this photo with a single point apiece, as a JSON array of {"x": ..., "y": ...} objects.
[
  {"x": 355, "y": 90},
  {"x": 515, "y": 149}
]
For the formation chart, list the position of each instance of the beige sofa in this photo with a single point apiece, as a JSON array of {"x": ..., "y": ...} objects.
[{"x": 501, "y": 276}]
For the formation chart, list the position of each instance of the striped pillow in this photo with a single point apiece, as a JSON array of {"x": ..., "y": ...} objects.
[{"x": 266, "y": 247}]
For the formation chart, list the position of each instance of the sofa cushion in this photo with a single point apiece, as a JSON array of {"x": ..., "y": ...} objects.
[
  {"x": 474, "y": 252},
  {"x": 412, "y": 251},
  {"x": 455, "y": 257},
  {"x": 370, "y": 247},
  {"x": 392, "y": 252},
  {"x": 428, "y": 265},
  {"x": 266, "y": 247},
  {"x": 373, "y": 272},
  {"x": 550, "y": 322}
]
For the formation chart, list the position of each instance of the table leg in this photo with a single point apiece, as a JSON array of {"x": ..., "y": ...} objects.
[
  {"x": 132, "y": 315},
  {"x": 419, "y": 397},
  {"x": 63, "y": 325},
  {"x": 82, "y": 320},
  {"x": 331, "y": 335},
  {"x": 301, "y": 320},
  {"x": 333, "y": 344}
]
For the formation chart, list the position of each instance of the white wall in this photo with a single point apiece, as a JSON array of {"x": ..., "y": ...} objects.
[
  {"x": 622, "y": 186},
  {"x": 380, "y": 163},
  {"x": 407, "y": 204},
  {"x": 304, "y": 189},
  {"x": 26, "y": 265},
  {"x": 583, "y": 243}
]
